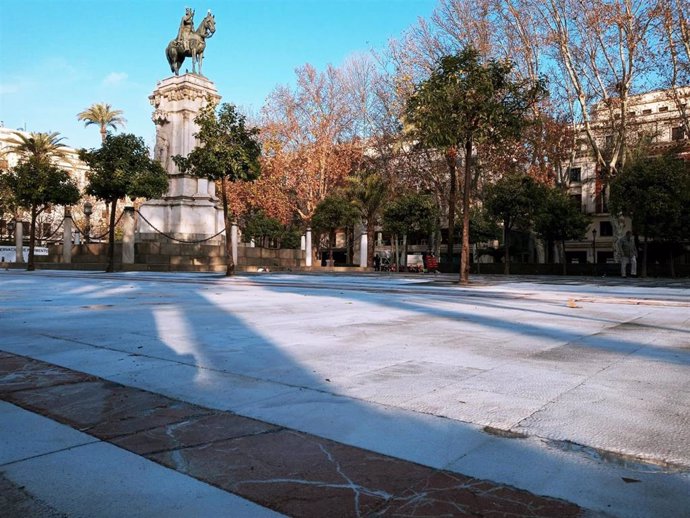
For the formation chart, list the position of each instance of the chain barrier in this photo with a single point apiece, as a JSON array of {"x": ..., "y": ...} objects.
[
  {"x": 102, "y": 235},
  {"x": 46, "y": 238},
  {"x": 174, "y": 238}
]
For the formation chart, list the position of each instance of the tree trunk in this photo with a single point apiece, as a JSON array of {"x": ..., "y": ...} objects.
[
  {"x": 466, "y": 188},
  {"x": 451, "y": 157},
  {"x": 643, "y": 273},
  {"x": 404, "y": 252},
  {"x": 371, "y": 245},
  {"x": 111, "y": 239},
  {"x": 32, "y": 239},
  {"x": 395, "y": 251},
  {"x": 506, "y": 246},
  {"x": 565, "y": 261},
  {"x": 671, "y": 262},
  {"x": 230, "y": 263}
]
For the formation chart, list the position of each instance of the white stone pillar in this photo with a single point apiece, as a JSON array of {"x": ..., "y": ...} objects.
[
  {"x": 379, "y": 238},
  {"x": 303, "y": 242},
  {"x": 19, "y": 241},
  {"x": 128, "y": 226},
  {"x": 67, "y": 237},
  {"x": 307, "y": 255},
  {"x": 363, "y": 242},
  {"x": 233, "y": 241}
]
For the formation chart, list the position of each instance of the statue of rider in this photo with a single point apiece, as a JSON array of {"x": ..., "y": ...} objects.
[{"x": 186, "y": 29}]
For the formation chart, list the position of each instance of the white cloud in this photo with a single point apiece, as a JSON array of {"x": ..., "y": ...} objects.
[{"x": 114, "y": 78}]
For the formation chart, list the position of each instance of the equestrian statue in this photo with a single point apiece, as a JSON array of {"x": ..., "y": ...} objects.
[{"x": 189, "y": 42}]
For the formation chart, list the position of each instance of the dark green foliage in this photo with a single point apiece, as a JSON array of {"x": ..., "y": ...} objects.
[
  {"x": 122, "y": 167},
  {"x": 483, "y": 226},
  {"x": 465, "y": 102},
  {"x": 334, "y": 212},
  {"x": 35, "y": 184},
  {"x": 262, "y": 228},
  {"x": 411, "y": 213},
  {"x": 655, "y": 194},
  {"x": 368, "y": 191},
  {"x": 513, "y": 200},
  {"x": 228, "y": 151},
  {"x": 558, "y": 219},
  {"x": 468, "y": 99}
]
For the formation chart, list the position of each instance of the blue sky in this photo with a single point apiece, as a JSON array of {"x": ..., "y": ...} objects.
[{"x": 59, "y": 57}]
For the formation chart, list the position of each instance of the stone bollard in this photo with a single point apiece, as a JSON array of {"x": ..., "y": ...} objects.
[
  {"x": 19, "y": 241},
  {"x": 307, "y": 256},
  {"x": 67, "y": 237},
  {"x": 233, "y": 242},
  {"x": 128, "y": 226},
  {"x": 363, "y": 248}
]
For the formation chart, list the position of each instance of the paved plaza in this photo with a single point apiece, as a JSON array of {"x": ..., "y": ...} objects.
[{"x": 141, "y": 394}]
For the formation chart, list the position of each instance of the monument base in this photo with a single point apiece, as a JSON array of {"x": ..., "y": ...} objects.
[{"x": 189, "y": 211}]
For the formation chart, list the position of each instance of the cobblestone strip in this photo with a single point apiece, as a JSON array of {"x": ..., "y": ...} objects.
[{"x": 294, "y": 473}]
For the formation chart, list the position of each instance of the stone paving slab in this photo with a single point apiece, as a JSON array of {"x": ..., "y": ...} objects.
[
  {"x": 288, "y": 471},
  {"x": 305, "y": 352}
]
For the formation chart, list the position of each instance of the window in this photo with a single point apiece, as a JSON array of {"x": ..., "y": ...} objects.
[
  {"x": 608, "y": 141},
  {"x": 647, "y": 112},
  {"x": 576, "y": 200},
  {"x": 575, "y": 174},
  {"x": 677, "y": 133},
  {"x": 663, "y": 109},
  {"x": 605, "y": 229}
]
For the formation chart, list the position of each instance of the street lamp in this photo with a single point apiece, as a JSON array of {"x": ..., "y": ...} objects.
[
  {"x": 88, "y": 210},
  {"x": 594, "y": 249}
]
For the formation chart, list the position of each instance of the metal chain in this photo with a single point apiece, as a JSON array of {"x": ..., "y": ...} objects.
[
  {"x": 46, "y": 238},
  {"x": 174, "y": 238},
  {"x": 102, "y": 235}
]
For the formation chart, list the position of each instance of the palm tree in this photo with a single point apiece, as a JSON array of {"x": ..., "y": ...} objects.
[
  {"x": 368, "y": 191},
  {"x": 41, "y": 147},
  {"x": 104, "y": 116}
]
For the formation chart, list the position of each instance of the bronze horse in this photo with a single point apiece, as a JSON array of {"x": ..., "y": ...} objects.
[{"x": 194, "y": 46}]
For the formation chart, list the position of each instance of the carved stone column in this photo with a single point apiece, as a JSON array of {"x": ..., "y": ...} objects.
[{"x": 190, "y": 209}]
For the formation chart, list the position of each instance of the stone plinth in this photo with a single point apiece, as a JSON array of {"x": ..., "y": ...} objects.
[{"x": 190, "y": 209}]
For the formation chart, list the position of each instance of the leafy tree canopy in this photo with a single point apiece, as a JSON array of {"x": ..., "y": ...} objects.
[
  {"x": 557, "y": 218},
  {"x": 333, "y": 212},
  {"x": 411, "y": 213},
  {"x": 35, "y": 184},
  {"x": 467, "y": 99},
  {"x": 258, "y": 225},
  {"x": 228, "y": 148},
  {"x": 655, "y": 194},
  {"x": 513, "y": 199},
  {"x": 122, "y": 167}
]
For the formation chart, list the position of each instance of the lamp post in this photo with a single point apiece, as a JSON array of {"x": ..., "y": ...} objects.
[
  {"x": 88, "y": 210},
  {"x": 594, "y": 249}
]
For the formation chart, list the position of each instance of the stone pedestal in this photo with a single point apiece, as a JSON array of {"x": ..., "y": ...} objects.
[{"x": 190, "y": 209}]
